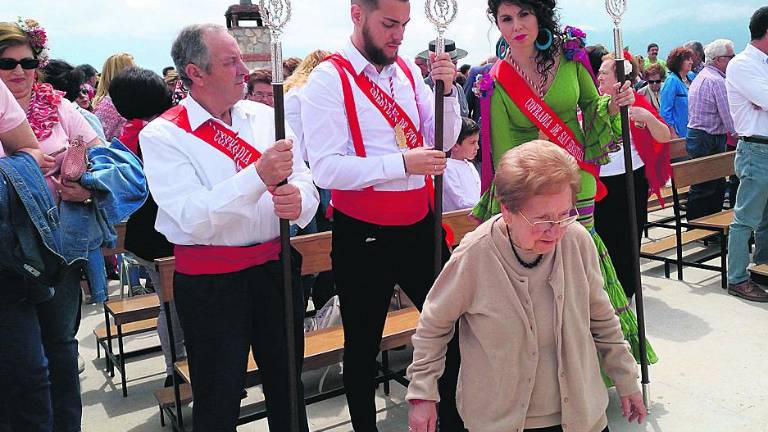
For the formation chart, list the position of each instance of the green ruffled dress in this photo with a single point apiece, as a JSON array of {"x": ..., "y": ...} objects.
[{"x": 572, "y": 87}]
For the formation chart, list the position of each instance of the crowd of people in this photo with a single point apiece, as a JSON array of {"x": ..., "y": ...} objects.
[{"x": 531, "y": 315}]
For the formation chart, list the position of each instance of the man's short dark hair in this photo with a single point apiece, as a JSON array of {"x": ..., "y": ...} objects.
[
  {"x": 652, "y": 45},
  {"x": 166, "y": 69},
  {"x": 758, "y": 24},
  {"x": 139, "y": 94}
]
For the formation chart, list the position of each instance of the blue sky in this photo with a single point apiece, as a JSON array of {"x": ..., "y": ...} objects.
[{"x": 88, "y": 31}]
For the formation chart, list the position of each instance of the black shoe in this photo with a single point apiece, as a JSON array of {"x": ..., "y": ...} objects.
[{"x": 113, "y": 276}]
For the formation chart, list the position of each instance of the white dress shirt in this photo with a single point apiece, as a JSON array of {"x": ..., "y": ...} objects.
[
  {"x": 328, "y": 139},
  {"x": 746, "y": 81},
  {"x": 292, "y": 105},
  {"x": 461, "y": 185},
  {"x": 202, "y": 198}
]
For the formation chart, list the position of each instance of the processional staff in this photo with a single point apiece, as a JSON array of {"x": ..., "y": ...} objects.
[
  {"x": 276, "y": 14},
  {"x": 616, "y": 9},
  {"x": 441, "y": 13}
]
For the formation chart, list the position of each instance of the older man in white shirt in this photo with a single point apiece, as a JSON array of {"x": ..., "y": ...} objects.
[
  {"x": 747, "y": 85},
  {"x": 368, "y": 121},
  {"x": 213, "y": 169}
]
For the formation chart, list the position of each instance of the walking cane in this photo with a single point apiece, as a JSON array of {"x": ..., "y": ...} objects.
[
  {"x": 616, "y": 9},
  {"x": 275, "y": 14},
  {"x": 441, "y": 14}
]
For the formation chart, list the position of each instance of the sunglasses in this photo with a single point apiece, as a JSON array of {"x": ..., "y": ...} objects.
[
  {"x": 654, "y": 81},
  {"x": 26, "y": 63}
]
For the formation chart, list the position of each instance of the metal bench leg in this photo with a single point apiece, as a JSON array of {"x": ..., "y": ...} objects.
[
  {"x": 723, "y": 260},
  {"x": 385, "y": 366},
  {"x": 109, "y": 350},
  {"x": 666, "y": 269},
  {"x": 172, "y": 343},
  {"x": 162, "y": 416},
  {"x": 122, "y": 359}
]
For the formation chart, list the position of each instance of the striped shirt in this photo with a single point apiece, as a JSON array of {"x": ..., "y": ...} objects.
[{"x": 708, "y": 103}]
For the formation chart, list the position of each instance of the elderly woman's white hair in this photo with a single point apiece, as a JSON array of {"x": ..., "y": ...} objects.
[{"x": 717, "y": 48}]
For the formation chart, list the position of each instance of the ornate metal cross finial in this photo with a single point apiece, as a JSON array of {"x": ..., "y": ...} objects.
[
  {"x": 441, "y": 14},
  {"x": 616, "y": 9},
  {"x": 276, "y": 14}
]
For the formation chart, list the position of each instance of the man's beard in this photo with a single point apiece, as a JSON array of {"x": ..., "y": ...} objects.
[{"x": 375, "y": 54}]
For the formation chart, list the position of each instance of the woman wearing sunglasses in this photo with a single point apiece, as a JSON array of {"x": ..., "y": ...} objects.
[
  {"x": 55, "y": 123},
  {"x": 654, "y": 76},
  {"x": 535, "y": 323}
]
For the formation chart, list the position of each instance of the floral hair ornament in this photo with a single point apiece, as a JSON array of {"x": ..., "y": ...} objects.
[
  {"x": 574, "y": 43},
  {"x": 38, "y": 39}
]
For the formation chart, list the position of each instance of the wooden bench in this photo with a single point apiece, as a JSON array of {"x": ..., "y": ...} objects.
[
  {"x": 132, "y": 329},
  {"x": 118, "y": 314},
  {"x": 686, "y": 174},
  {"x": 322, "y": 347}
]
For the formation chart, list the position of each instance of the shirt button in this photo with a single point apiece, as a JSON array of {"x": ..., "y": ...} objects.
[
  {"x": 562, "y": 374},
  {"x": 533, "y": 353},
  {"x": 560, "y": 297},
  {"x": 565, "y": 400}
]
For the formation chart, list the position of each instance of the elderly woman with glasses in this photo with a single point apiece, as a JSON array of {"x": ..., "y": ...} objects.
[{"x": 534, "y": 322}]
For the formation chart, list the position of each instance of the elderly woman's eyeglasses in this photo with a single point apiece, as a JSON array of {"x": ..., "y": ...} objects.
[
  {"x": 26, "y": 63},
  {"x": 541, "y": 226},
  {"x": 263, "y": 95}
]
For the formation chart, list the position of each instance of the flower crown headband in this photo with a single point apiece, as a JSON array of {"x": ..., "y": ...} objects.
[{"x": 38, "y": 39}]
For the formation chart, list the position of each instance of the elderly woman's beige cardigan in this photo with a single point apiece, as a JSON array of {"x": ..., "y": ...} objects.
[{"x": 497, "y": 339}]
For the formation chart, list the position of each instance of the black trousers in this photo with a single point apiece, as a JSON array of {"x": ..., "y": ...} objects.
[
  {"x": 611, "y": 223},
  {"x": 368, "y": 260},
  {"x": 222, "y": 317}
]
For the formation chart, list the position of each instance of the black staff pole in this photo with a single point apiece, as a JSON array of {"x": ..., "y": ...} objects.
[
  {"x": 616, "y": 9},
  {"x": 275, "y": 14},
  {"x": 440, "y": 13}
]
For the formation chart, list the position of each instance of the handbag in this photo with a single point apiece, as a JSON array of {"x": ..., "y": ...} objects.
[{"x": 75, "y": 161}]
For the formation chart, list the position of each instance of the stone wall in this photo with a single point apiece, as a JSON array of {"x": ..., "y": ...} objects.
[{"x": 254, "y": 44}]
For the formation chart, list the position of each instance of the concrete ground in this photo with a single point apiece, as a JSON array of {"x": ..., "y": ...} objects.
[{"x": 708, "y": 377}]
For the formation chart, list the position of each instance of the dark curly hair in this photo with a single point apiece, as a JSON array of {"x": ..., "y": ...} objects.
[
  {"x": 676, "y": 58},
  {"x": 548, "y": 19}
]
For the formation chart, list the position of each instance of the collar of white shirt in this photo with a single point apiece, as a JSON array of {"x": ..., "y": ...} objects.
[
  {"x": 755, "y": 53},
  {"x": 360, "y": 63},
  {"x": 198, "y": 115}
]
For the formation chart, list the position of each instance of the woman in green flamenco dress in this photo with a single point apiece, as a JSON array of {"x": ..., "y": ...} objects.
[{"x": 533, "y": 92}]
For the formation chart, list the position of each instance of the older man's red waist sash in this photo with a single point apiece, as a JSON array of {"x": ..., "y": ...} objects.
[
  {"x": 389, "y": 208},
  {"x": 218, "y": 137},
  {"x": 544, "y": 117},
  {"x": 208, "y": 260}
]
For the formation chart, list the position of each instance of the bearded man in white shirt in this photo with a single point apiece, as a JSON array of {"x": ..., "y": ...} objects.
[
  {"x": 747, "y": 86},
  {"x": 214, "y": 169},
  {"x": 368, "y": 124}
]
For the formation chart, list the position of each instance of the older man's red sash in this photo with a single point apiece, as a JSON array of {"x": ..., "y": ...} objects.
[
  {"x": 220, "y": 138},
  {"x": 544, "y": 117}
]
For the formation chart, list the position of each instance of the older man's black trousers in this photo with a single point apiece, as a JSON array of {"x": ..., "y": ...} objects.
[
  {"x": 223, "y": 316},
  {"x": 368, "y": 261}
]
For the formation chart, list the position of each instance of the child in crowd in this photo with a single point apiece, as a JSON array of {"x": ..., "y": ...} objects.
[{"x": 461, "y": 187}]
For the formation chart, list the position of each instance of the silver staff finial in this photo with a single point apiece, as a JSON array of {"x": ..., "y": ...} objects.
[
  {"x": 276, "y": 14},
  {"x": 441, "y": 14},
  {"x": 616, "y": 9}
]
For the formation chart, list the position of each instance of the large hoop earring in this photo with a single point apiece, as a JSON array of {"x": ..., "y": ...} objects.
[
  {"x": 544, "y": 33},
  {"x": 502, "y": 47}
]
